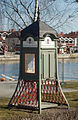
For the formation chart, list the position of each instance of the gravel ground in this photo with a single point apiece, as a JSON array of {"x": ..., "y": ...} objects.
[{"x": 59, "y": 113}]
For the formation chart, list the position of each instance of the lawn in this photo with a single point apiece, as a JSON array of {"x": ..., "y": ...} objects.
[
  {"x": 5, "y": 113},
  {"x": 72, "y": 97},
  {"x": 70, "y": 84}
]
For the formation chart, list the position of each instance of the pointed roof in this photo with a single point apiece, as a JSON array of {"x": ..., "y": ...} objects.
[
  {"x": 44, "y": 28},
  {"x": 37, "y": 29}
]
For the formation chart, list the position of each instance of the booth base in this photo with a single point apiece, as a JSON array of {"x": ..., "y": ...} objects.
[
  {"x": 45, "y": 105},
  {"x": 26, "y": 95}
]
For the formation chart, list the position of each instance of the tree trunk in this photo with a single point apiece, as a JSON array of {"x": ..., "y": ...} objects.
[{"x": 36, "y": 10}]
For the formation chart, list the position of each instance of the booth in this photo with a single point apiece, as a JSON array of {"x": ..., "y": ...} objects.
[{"x": 38, "y": 82}]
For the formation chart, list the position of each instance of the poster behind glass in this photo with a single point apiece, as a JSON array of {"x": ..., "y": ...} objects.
[{"x": 29, "y": 63}]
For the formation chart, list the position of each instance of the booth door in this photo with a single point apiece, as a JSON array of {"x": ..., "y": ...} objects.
[{"x": 48, "y": 65}]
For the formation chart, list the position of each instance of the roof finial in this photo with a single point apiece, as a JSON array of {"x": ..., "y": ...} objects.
[
  {"x": 38, "y": 18},
  {"x": 36, "y": 10}
]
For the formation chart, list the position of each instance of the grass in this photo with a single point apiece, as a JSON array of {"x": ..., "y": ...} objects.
[
  {"x": 72, "y": 98},
  {"x": 72, "y": 85},
  {"x": 6, "y": 114}
]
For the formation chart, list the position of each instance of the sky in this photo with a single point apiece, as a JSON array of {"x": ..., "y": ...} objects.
[{"x": 70, "y": 25}]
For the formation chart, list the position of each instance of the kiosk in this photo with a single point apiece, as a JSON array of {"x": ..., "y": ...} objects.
[{"x": 38, "y": 81}]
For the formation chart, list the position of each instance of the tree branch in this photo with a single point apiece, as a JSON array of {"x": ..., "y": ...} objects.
[
  {"x": 26, "y": 10},
  {"x": 16, "y": 10},
  {"x": 11, "y": 18}
]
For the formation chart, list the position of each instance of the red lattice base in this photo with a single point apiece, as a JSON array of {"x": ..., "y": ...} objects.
[
  {"x": 26, "y": 94},
  {"x": 51, "y": 92}
]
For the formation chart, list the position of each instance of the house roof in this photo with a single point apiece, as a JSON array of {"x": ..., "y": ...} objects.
[
  {"x": 72, "y": 35},
  {"x": 69, "y": 35},
  {"x": 37, "y": 29}
]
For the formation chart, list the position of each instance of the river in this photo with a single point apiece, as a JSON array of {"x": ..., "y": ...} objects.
[
  {"x": 10, "y": 69},
  {"x": 70, "y": 69}
]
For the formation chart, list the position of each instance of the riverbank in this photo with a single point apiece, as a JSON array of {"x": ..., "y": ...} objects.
[
  {"x": 14, "y": 57},
  {"x": 73, "y": 55},
  {"x": 9, "y": 57}
]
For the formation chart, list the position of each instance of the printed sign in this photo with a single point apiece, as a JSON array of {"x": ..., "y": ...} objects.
[
  {"x": 47, "y": 43},
  {"x": 30, "y": 42}
]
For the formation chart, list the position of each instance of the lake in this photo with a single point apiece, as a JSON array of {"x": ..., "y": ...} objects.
[
  {"x": 70, "y": 69},
  {"x": 9, "y": 69}
]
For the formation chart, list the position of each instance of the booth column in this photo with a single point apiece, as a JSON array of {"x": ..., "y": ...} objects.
[{"x": 39, "y": 84}]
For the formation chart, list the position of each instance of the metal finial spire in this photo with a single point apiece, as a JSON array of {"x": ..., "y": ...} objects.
[
  {"x": 38, "y": 18},
  {"x": 36, "y": 10}
]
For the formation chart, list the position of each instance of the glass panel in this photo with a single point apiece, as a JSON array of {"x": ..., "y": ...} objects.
[{"x": 29, "y": 63}]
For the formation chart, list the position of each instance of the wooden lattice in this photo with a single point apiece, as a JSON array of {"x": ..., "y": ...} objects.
[
  {"x": 26, "y": 94},
  {"x": 51, "y": 92}
]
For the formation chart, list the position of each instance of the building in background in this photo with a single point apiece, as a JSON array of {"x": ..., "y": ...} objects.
[
  {"x": 4, "y": 34},
  {"x": 67, "y": 43},
  {"x": 3, "y": 46},
  {"x": 13, "y": 41}
]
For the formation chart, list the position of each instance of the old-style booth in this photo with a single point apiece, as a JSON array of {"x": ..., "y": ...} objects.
[{"x": 38, "y": 78}]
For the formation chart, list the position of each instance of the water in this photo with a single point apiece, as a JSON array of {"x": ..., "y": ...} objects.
[
  {"x": 70, "y": 69},
  {"x": 10, "y": 69}
]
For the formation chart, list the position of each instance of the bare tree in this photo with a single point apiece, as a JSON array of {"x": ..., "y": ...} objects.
[{"x": 23, "y": 12}]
